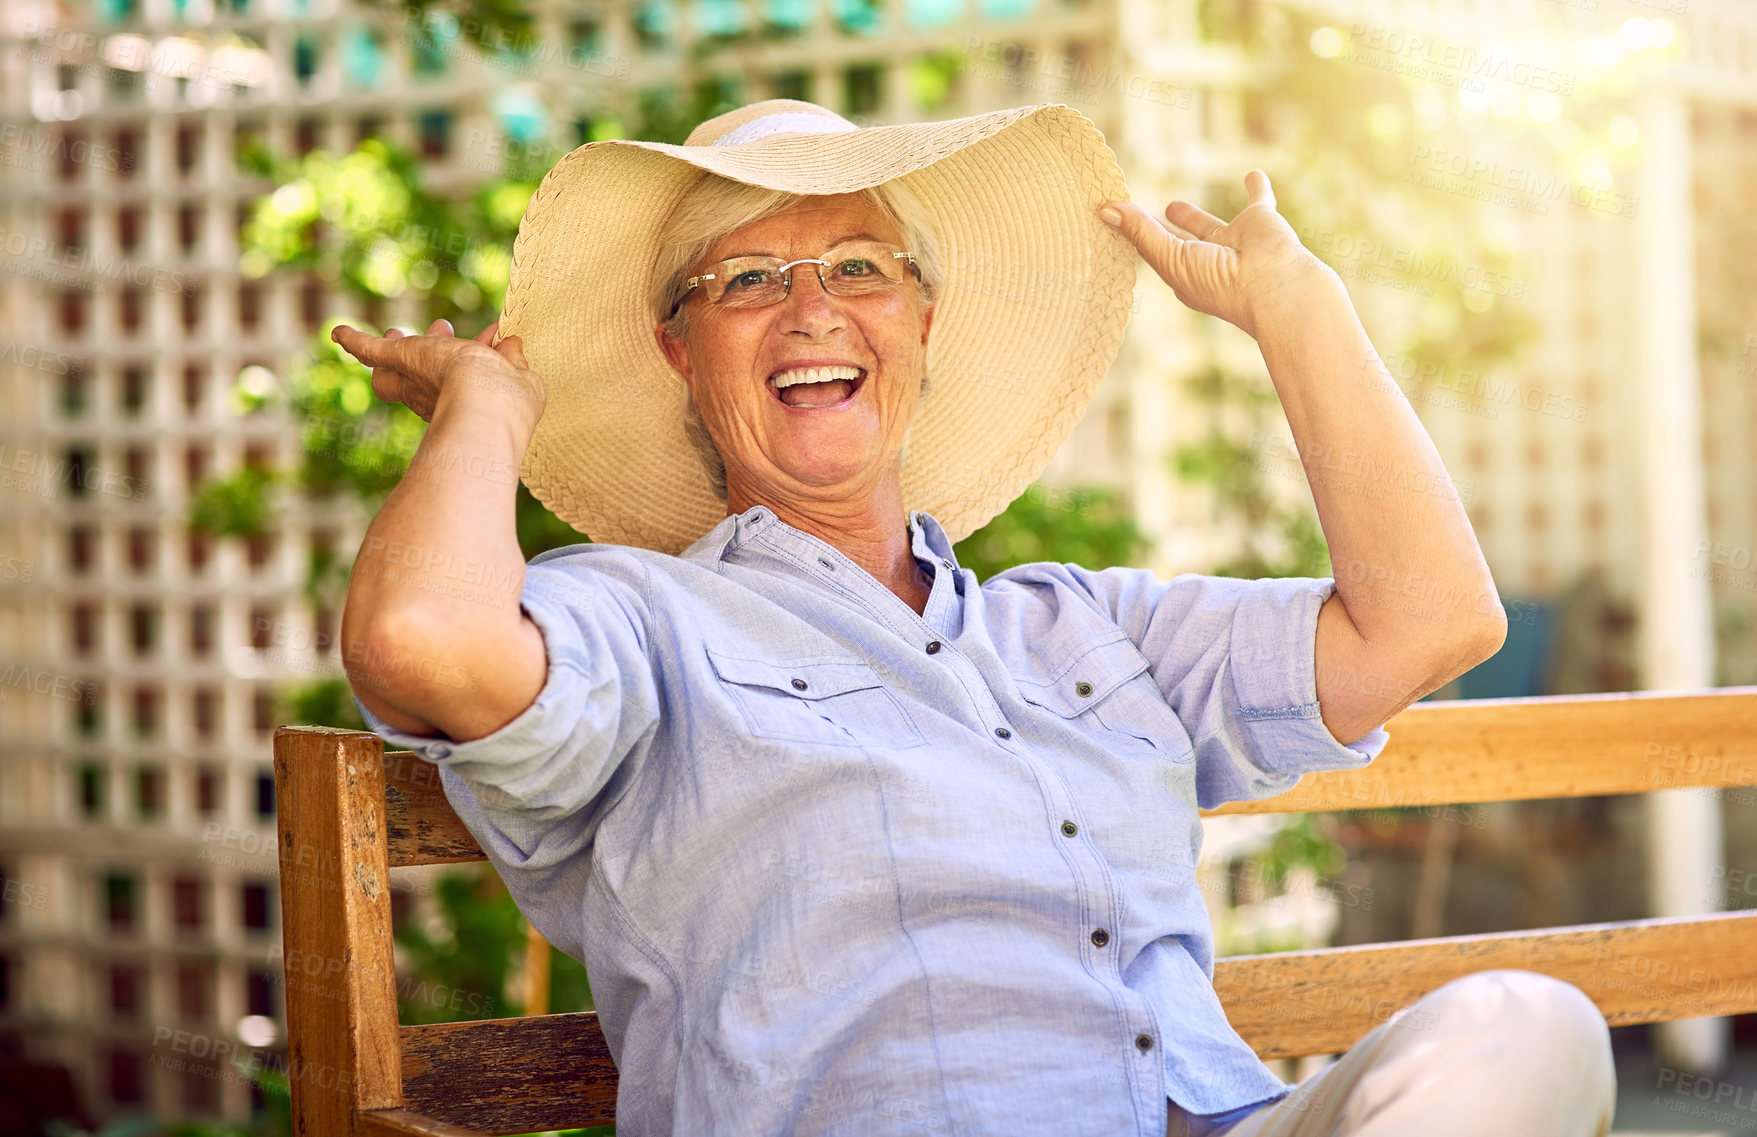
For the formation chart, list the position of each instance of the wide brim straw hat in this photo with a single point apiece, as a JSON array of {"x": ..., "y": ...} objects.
[{"x": 1035, "y": 293}]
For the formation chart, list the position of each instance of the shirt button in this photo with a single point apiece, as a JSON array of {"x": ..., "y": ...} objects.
[
  {"x": 1069, "y": 829},
  {"x": 933, "y": 648},
  {"x": 1143, "y": 1042},
  {"x": 1002, "y": 732},
  {"x": 799, "y": 684},
  {"x": 1082, "y": 689},
  {"x": 949, "y": 565},
  {"x": 1100, "y": 938},
  {"x": 439, "y": 751}
]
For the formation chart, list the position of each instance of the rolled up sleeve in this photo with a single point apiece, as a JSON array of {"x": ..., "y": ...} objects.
[
  {"x": 1236, "y": 659},
  {"x": 532, "y": 791}
]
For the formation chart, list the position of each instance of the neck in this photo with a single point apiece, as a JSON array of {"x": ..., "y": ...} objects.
[{"x": 871, "y": 530}]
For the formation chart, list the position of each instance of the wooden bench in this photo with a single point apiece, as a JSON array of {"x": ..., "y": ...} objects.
[{"x": 348, "y": 813}]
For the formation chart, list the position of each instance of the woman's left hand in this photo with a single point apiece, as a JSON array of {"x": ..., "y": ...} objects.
[{"x": 1231, "y": 269}]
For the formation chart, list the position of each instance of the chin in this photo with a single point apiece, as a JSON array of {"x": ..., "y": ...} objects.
[{"x": 826, "y": 465}]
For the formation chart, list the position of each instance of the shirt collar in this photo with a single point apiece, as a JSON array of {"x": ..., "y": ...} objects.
[{"x": 927, "y": 540}]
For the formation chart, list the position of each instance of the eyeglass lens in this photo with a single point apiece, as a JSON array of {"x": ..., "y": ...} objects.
[{"x": 853, "y": 270}]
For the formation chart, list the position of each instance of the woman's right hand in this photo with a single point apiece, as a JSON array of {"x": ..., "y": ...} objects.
[{"x": 416, "y": 370}]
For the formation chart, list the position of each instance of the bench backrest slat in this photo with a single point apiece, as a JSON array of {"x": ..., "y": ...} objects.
[
  {"x": 1476, "y": 750},
  {"x": 423, "y": 829},
  {"x": 1322, "y": 1001},
  {"x": 511, "y": 1075}
]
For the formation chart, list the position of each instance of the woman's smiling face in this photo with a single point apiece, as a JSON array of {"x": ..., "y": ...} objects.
[{"x": 819, "y": 441}]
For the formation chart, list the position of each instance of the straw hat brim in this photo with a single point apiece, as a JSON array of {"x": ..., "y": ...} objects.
[{"x": 1036, "y": 292}]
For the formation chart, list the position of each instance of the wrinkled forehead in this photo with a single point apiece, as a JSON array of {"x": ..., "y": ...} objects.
[{"x": 808, "y": 228}]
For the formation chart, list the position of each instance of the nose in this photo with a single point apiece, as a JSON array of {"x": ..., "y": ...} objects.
[{"x": 808, "y": 307}]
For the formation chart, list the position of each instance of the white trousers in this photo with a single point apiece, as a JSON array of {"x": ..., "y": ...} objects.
[{"x": 1495, "y": 1054}]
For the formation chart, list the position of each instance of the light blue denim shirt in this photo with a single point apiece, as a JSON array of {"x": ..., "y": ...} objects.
[{"x": 836, "y": 868}]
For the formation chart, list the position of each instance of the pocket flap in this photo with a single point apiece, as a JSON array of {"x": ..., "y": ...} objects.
[
  {"x": 1088, "y": 677},
  {"x": 812, "y": 678}
]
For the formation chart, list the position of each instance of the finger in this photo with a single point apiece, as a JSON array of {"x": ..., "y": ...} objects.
[
  {"x": 440, "y": 327},
  {"x": 387, "y": 384},
  {"x": 486, "y": 335},
  {"x": 358, "y": 344},
  {"x": 414, "y": 356},
  {"x": 1193, "y": 220},
  {"x": 1147, "y": 233},
  {"x": 1257, "y": 188},
  {"x": 395, "y": 333},
  {"x": 513, "y": 349}
]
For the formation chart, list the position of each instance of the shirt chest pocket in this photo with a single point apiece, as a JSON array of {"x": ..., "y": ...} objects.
[
  {"x": 819, "y": 700},
  {"x": 1107, "y": 691}
]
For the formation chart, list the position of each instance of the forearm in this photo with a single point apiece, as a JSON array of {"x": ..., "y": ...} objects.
[
  {"x": 1410, "y": 575},
  {"x": 432, "y": 632}
]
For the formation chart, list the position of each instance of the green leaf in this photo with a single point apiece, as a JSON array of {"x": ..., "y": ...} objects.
[{"x": 238, "y": 505}]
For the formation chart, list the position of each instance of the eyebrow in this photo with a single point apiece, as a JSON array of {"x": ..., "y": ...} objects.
[{"x": 833, "y": 244}]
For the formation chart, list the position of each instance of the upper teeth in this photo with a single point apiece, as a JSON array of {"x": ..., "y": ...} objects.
[{"x": 813, "y": 375}]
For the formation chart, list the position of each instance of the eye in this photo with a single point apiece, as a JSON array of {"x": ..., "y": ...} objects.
[
  {"x": 856, "y": 266},
  {"x": 751, "y": 278}
]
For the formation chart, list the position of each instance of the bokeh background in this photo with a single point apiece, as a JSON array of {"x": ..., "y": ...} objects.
[{"x": 1543, "y": 209}]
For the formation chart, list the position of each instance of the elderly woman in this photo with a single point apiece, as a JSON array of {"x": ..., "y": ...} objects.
[{"x": 848, "y": 840}]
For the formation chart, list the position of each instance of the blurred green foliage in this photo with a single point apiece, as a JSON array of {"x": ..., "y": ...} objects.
[
  {"x": 1093, "y": 527},
  {"x": 462, "y": 958},
  {"x": 237, "y": 505}
]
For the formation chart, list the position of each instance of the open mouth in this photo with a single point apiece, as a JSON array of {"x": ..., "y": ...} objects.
[{"x": 807, "y": 387}]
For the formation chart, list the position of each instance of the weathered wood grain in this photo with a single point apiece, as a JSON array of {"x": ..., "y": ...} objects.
[
  {"x": 1641, "y": 971},
  {"x": 342, "y": 1045},
  {"x": 423, "y": 828},
  {"x": 402, "y": 1123},
  {"x": 511, "y": 1075},
  {"x": 1519, "y": 749}
]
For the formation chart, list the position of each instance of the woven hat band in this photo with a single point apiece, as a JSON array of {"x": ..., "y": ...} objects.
[{"x": 771, "y": 116}]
